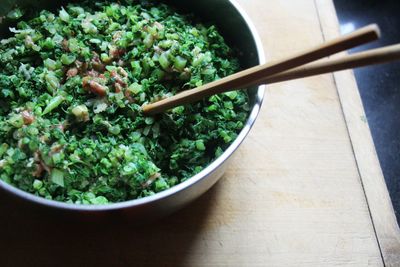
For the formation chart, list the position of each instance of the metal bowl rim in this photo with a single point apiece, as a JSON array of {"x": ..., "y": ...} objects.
[{"x": 182, "y": 186}]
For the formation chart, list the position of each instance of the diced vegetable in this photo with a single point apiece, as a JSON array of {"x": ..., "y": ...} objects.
[
  {"x": 68, "y": 59},
  {"x": 57, "y": 177},
  {"x": 164, "y": 62},
  {"x": 52, "y": 82},
  {"x": 180, "y": 63},
  {"x": 64, "y": 16},
  {"x": 54, "y": 103},
  {"x": 81, "y": 113}
]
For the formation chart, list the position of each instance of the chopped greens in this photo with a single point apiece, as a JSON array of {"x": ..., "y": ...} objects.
[{"x": 72, "y": 84}]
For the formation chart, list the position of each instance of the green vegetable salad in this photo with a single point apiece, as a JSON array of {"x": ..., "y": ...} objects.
[{"x": 72, "y": 84}]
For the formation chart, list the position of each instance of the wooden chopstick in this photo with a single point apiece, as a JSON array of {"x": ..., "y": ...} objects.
[
  {"x": 249, "y": 76},
  {"x": 370, "y": 57}
]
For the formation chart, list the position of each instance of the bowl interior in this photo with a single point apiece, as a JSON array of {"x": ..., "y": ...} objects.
[{"x": 233, "y": 27}]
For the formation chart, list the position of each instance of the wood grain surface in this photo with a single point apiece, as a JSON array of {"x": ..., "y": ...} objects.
[
  {"x": 293, "y": 195},
  {"x": 377, "y": 195}
]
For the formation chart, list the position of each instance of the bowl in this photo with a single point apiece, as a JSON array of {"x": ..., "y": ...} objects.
[{"x": 239, "y": 32}]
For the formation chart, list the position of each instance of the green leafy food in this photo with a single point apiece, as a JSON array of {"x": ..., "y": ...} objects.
[{"x": 72, "y": 84}]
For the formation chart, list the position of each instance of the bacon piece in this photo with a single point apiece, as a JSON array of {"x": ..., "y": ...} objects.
[
  {"x": 56, "y": 148},
  {"x": 85, "y": 82},
  {"x": 64, "y": 45},
  {"x": 97, "y": 88},
  {"x": 97, "y": 64},
  {"x": 118, "y": 78},
  {"x": 122, "y": 72},
  {"x": 38, "y": 171},
  {"x": 129, "y": 97},
  {"x": 27, "y": 117},
  {"x": 72, "y": 72},
  {"x": 118, "y": 87},
  {"x": 93, "y": 73},
  {"x": 81, "y": 66},
  {"x": 40, "y": 166},
  {"x": 116, "y": 52}
]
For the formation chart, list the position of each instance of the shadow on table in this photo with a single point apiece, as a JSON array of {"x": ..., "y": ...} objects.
[{"x": 37, "y": 238}]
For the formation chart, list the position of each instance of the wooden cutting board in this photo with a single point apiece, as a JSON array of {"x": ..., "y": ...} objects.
[{"x": 304, "y": 189}]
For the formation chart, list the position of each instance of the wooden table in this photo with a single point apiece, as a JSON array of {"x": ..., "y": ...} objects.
[{"x": 305, "y": 188}]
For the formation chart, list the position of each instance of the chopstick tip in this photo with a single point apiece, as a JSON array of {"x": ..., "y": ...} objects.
[{"x": 375, "y": 28}]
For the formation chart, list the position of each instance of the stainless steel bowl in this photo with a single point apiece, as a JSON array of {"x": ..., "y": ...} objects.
[{"x": 240, "y": 33}]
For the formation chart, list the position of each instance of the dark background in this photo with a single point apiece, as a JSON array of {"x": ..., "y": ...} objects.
[{"x": 379, "y": 85}]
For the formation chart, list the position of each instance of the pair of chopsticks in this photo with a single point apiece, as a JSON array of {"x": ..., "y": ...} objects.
[{"x": 290, "y": 68}]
